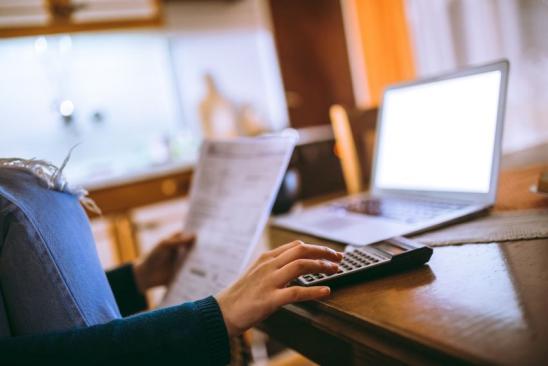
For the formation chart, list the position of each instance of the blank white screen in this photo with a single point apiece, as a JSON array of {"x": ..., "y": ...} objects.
[{"x": 439, "y": 136}]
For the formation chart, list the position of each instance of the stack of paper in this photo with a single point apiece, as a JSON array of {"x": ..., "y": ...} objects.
[{"x": 232, "y": 193}]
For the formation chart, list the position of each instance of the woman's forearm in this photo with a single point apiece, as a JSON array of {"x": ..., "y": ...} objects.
[{"x": 191, "y": 333}]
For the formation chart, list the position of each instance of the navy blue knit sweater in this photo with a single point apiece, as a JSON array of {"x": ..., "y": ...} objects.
[{"x": 193, "y": 333}]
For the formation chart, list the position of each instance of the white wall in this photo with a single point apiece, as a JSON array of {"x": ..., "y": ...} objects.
[
  {"x": 125, "y": 76},
  {"x": 233, "y": 42},
  {"x": 128, "y": 76}
]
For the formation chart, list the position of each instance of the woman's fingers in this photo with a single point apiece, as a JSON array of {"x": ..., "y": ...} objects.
[
  {"x": 271, "y": 254},
  {"x": 303, "y": 266},
  {"x": 307, "y": 251},
  {"x": 279, "y": 250},
  {"x": 292, "y": 294}
]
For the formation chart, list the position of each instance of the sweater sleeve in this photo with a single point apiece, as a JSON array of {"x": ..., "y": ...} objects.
[
  {"x": 189, "y": 334},
  {"x": 127, "y": 295}
]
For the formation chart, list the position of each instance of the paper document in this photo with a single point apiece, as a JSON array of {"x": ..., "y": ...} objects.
[{"x": 232, "y": 192}]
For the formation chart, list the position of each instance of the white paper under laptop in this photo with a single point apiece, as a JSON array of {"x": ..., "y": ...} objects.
[
  {"x": 232, "y": 192},
  {"x": 436, "y": 160}
]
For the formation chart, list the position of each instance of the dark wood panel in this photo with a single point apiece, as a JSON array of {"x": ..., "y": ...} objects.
[
  {"x": 313, "y": 57},
  {"x": 332, "y": 340}
]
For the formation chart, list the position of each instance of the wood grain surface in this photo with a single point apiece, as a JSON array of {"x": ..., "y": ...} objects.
[{"x": 479, "y": 304}]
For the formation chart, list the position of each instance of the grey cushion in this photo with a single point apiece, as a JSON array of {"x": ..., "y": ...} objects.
[{"x": 50, "y": 275}]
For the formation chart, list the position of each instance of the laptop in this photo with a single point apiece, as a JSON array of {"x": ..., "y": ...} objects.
[{"x": 436, "y": 160}]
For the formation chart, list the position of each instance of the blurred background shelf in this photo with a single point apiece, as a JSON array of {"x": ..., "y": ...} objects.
[{"x": 38, "y": 17}]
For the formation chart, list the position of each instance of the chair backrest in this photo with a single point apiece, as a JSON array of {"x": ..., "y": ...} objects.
[
  {"x": 50, "y": 275},
  {"x": 354, "y": 132}
]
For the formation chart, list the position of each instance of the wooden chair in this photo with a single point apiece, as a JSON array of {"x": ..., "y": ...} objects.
[{"x": 354, "y": 132}]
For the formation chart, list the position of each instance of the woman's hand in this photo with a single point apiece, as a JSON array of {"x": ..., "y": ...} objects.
[
  {"x": 159, "y": 266},
  {"x": 263, "y": 288}
]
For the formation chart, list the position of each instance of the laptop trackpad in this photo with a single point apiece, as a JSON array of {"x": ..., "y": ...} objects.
[{"x": 355, "y": 229}]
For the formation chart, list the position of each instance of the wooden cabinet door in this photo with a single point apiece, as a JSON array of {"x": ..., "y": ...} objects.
[{"x": 313, "y": 57}]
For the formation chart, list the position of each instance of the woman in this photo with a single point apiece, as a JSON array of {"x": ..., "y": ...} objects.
[{"x": 43, "y": 262}]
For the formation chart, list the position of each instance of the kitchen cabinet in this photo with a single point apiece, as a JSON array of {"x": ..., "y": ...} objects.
[
  {"x": 34, "y": 17},
  {"x": 313, "y": 56}
]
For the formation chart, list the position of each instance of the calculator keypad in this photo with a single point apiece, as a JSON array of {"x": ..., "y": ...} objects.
[{"x": 354, "y": 261}]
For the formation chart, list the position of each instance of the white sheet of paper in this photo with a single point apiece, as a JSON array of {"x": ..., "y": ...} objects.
[{"x": 231, "y": 196}]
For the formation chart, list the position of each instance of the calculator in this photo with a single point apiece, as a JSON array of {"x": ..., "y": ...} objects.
[{"x": 392, "y": 254}]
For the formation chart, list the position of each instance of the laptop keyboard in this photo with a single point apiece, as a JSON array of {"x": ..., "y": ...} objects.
[{"x": 409, "y": 211}]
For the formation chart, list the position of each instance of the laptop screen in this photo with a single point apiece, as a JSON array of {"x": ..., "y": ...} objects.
[{"x": 439, "y": 136}]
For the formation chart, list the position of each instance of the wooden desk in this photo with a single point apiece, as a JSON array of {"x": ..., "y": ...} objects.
[{"x": 485, "y": 304}]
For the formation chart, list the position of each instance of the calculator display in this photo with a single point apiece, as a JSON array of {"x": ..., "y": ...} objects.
[{"x": 389, "y": 248}]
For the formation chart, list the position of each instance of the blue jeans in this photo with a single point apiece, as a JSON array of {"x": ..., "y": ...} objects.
[{"x": 50, "y": 275}]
